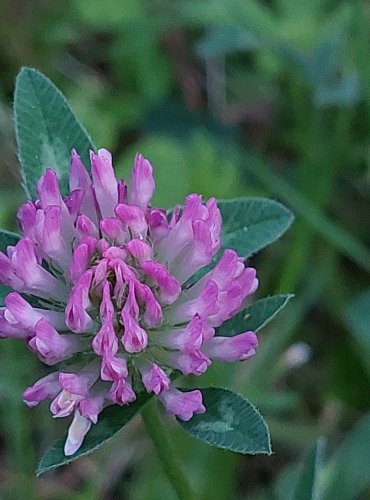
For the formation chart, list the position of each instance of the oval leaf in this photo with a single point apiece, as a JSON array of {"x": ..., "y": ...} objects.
[
  {"x": 254, "y": 317},
  {"x": 308, "y": 484},
  {"x": 358, "y": 319},
  {"x": 230, "y": 422},
  {"x": 46, "y": 130},
  {"x": 347, "y": 473},
  {"x": 250, "y": 224},
  {"x": 111, "y": 420}
]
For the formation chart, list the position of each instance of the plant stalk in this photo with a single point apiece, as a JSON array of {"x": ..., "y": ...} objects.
[{"x": 166, "y": 452}]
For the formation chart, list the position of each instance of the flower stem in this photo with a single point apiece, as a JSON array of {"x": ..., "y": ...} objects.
[{"x": 166, "y": 452}]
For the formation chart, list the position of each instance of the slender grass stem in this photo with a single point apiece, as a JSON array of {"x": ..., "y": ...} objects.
[{"x": 166, "y": 452}]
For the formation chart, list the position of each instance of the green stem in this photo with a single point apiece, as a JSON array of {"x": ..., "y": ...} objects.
[{"x": 166, "y": 452}]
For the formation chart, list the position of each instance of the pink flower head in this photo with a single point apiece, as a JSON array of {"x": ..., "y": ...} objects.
[{"x": 111, "y": 282}]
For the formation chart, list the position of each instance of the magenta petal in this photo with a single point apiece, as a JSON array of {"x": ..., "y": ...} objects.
[
  {"x": 121, "y": 392},
  {"x": 142, "y": 182},
  {"x": 154, "y": 378},
  {"x": 189, "y": 338},
  {"x": 27, "y": 218},
  {"x": 153, "y": 312},
  {"x": 134, "y": 218},
  {"x": 169, "y": 287},
  {"x": 79, "y": 179},
  {"x": 50, "y": 345},
  {"x": 8, "y": 276},
  {"x": 158, "y": 225},
  {"x": 114, "y": 230},
  {"x": 77, "y": 383},
  {"x": 106, "y": 305},
  {"x": 194, "y": 208},
  {"x": 35, "y": 277},
  {"x": 20, "y": 314},
  {"x": 139, "y": 249},
  {"x": 214, "y": 222},
  {"x": 105, "y": 182},
  {"x": 135, "y": 338},
  {"x": 9, "y": 331},
  {"x": 189, "y": 363},
  {"x": 49, "y": 236},
  {"x": 206, "y": 304},
  {"x": 92, "y": 406},
  {"x": 48, "y": 189},
  {"x": 182, "y": 404},
  {"x": 77, "y": 318},
  {"x": 81, "y": 257},
  {"x": 45, "y": 388},
  {"x": 86, "y": 227},
  {"x": 113, "y": 367},
  {"x": 78, "y": 175},
  {"x": 106, "y": 339},
  {"x": 230, "y": 349},
  {"x": 64, "y": 404},
  {"x": 122, "y": 191}
]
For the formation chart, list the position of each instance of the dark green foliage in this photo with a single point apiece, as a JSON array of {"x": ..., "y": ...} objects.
[
  {"x": 230, "y": 422},
  {"x": 228, "y": 98}
]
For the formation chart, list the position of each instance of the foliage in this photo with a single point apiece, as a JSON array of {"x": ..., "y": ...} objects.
[{"x": 234, "y": 99}]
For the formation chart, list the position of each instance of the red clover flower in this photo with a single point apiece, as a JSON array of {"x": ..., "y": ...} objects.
[{"x": 103, "y": 284}]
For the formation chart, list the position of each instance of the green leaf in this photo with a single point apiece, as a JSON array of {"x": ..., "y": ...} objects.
[
  {"x": 309, "y": 485},
  {"x": 347, "y": 473},
  {"x": 111, "y": 420},
  {"x": 254, "y": 317},
  {"x": 250, "y": 224},
  {"x": 358, "y": 319},
  {"x": 46, "y": 130},
  {"x": 230, "y": 422},
  {"x": 7, "y": 238}
]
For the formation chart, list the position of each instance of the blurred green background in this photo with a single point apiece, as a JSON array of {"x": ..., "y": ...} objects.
[{"x": 226, "y": 98}]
